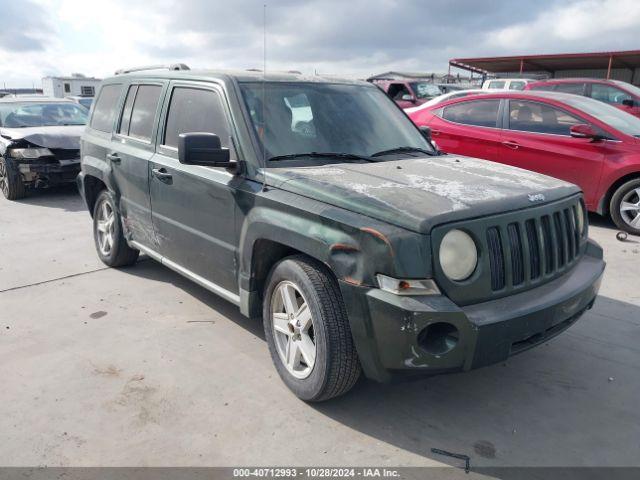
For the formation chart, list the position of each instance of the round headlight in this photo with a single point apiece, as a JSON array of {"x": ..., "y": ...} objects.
[
  {"x": 580, "y": 215},
  {"x": 458, "y": 255}
]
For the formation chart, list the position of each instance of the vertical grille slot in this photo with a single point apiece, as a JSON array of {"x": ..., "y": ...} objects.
[
  {"x": 496, "y": 258},
  {"x": 559, "y": 239},
  {"x": 517, "y": 261},
  {"x": 548, "y": 244},
  {"x": 534, "y": 249},
  {"x": 568, "y": 217}
]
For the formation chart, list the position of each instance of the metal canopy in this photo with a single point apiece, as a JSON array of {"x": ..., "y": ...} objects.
[{"x": 629, "y": 59}]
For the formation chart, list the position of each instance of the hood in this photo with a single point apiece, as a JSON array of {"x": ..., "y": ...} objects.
[
  {"x": 66, "y": 137},
  {"x": 418, "y": 194}
]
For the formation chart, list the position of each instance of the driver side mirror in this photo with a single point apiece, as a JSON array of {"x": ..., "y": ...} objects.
[
  {"x": 628, "y": 102},
  {"x": 408, "y": 98},
  {"x": 584, "y": 130},
  {"x": 201, "y": 148}
]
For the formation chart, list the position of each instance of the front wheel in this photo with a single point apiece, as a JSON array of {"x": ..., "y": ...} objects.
[
  {"x": 110, "y": 243},
  {"x": 625, "y": 207},
  {"x": 308, "y": 331},
  {"x": 10, "y": 181}
]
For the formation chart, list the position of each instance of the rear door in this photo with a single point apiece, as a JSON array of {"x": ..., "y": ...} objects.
[
  {"x": 194, "y": 206},
  {"x": 132, "y": 149},
  {"x": 468, "y": 127},
  {"x": 536, "y": 137}
]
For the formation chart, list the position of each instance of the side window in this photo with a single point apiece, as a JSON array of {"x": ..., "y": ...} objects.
[
  {"x": 517, "y": 85},
  {"x": 542, "y": 86},
  {"x": 106, "y": 107},
  {"x": 608, "y": 94},
  {"x": 126, "y": 112},
  {"x": 497, "y": 84},
  {"x": 540, "y": 118},
  {"x": 196, "y": 110},
  {"x": 575, "y": 88},
  {"x": 397, "y": 90},
  {"x": 143, "y": 113},
  {"x": 482, "y": 113}
]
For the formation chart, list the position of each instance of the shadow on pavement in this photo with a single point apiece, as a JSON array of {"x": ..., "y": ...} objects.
[
  {"x": 569, "y": 402},
  {"x": 65, "y": 197}
]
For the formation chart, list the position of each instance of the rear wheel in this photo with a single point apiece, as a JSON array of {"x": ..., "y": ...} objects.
[
  {"x": 111, "y": 245},
  {"x": 10, "y": 181},
  {"x": 308, "y": 331},
  {"x": 625, "y": 207}
]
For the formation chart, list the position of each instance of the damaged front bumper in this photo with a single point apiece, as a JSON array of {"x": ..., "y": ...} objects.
[
  {"x": 47, "y": 172},
  {"x": 401, "y": 335}
]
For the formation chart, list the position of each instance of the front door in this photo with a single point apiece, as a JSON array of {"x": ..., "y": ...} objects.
[
  {"x": 193, "y": 207},
  {"x": 536, "y": 137}
]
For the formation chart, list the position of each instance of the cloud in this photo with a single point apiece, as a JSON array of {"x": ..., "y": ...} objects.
[
  {"x": 24, "y": 26},
  {"x": 352, "y": 38},
  {"x": 583, "y": 25}
]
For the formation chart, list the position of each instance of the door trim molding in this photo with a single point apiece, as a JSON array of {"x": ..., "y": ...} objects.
[{"x": 203, "y": 282}]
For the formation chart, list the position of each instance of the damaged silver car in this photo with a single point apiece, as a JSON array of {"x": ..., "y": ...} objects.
[{"x": 39, "y": 143}]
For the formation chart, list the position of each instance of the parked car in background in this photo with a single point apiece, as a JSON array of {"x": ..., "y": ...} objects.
[
  {"x": 577, "y": 139},
  {"x": 409, "y": 93},
  {"x": 39, "y": 143},
  {"x": 84, "y": 101},
  {"x": 506, "y": 83},
  {"x": 621, "y": 95},
  {"x": 316, "y": 206},
  {"x": 445, "y": 97}
]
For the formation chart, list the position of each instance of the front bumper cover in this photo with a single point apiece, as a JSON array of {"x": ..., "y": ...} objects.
[
  {"x": 387, "y": 327},
  {"x": 48, "y": 173}
]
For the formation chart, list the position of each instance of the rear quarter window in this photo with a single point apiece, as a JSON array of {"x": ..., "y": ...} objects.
[
  {"x": 481, "y": 113},
  {"x": 105, "y": 109}
]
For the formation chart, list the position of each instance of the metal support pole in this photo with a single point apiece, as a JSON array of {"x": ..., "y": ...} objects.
[{"x": 609, "y": 68}]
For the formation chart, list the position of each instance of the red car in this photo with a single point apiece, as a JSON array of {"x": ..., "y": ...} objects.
[
  {"x": 621, "y": 95},
  {"x": 570, "y": 137}
]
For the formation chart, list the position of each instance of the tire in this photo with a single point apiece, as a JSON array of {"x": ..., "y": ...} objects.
[
  {"x": 625, "y": 207},
  {"x": 336, "y": 367},
  {"x": 107, "y": 223},
  {"x": 10, "y": 182}
]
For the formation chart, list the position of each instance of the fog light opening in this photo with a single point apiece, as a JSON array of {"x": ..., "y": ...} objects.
[{"x": 439, "y": 338}]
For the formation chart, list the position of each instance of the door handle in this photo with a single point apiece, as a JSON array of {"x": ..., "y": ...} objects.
[
  {"x": 435, "y": 133},
  {"x": 162, "y": 175},
  {"x": 114, "y": 157},
  {"x": 511, "y": 144}
]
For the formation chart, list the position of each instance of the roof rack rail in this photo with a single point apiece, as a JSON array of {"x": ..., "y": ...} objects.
[{"x": 173, "y": 66}]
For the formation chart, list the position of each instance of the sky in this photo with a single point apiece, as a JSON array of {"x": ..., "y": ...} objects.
[{"x": 352, "y": 38}]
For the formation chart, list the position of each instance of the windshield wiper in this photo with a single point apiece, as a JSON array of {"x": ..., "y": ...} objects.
[
  {"x": 340, "y": 155},
  {"x": 402, "y": 150}
]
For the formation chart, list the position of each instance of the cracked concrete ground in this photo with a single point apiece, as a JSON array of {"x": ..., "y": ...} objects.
[{"x": 139, "y": 367}]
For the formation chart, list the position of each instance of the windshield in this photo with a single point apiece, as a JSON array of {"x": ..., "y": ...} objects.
[
  {"x": 35, "y": 114},
  {"x": 606, "y": 113},
  {"x": 321, "y": 117},
  {"x": 629, "y": 87},
  {"x": 86, "y": 102},
  {"x": 425, "y": 90}
]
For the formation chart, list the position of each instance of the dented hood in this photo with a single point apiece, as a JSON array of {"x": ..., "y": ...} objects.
[
  {"x": 420, "y": 193},
  {"x": 66, "y": 137}
]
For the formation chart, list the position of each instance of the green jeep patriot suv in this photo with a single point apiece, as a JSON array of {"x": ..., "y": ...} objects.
[{"x": 317, "y": 205}]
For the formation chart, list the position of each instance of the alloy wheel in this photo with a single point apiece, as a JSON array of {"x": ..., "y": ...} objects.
[
  {"x": 4, "y": 182},
  {"x": 293, "y": 329},
  {"x": 630, "y": 208},
  {"x": 105, "y": 225}
]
